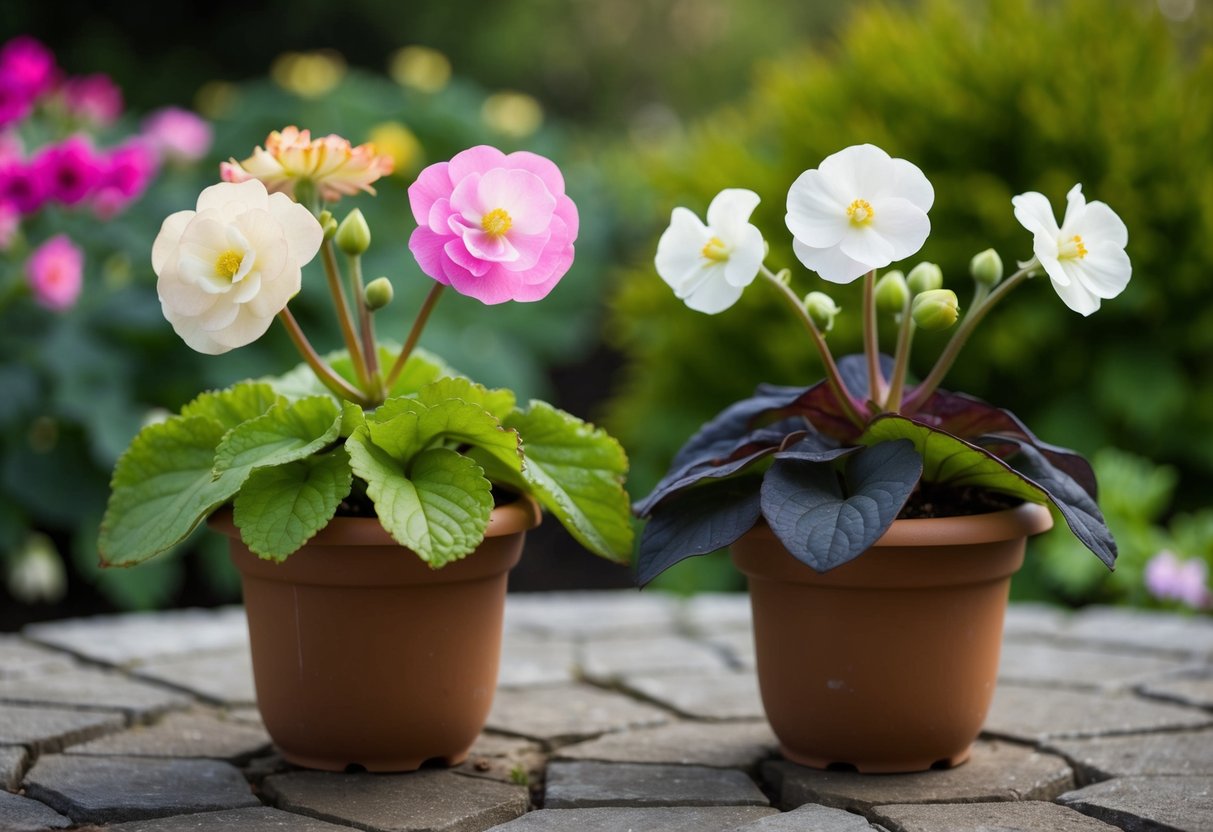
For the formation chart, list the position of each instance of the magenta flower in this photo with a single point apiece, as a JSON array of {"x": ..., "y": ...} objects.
[
  {"x": 55, "y": 272},
  {"x": 1170, "y": 579},
  {"x": 126, "y": 172},
  {"x": 93, "y": 98},
  {"x": 21, "y": 187},
  {"x": 27, "y": 70},
  {"x": 178, "y": 135},
  {"x": 69, "y": 171},
  {"x": 493, "y": 227}
]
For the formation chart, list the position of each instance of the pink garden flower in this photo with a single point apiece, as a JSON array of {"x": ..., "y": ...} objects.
[
  {"x": 21, "y": 187},
  {"x": 125, "y": 173},
  {"x": 1170, "y": 579},
  {"x": 27, "y": 70},
  {"x": 55, "y": 272},
  {"x": 68, "y": 171},
  {"x": 494, "y": 227},
  {"x": 178, "y": 135},
  {"x": 93, "y": 98}
]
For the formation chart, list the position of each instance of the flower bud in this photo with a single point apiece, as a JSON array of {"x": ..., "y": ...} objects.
[
  {"x": 353, "y": 235},
  {"x": 378, "y": 293},
  {"x": 305, "y": 193},
  {"x": 925, "y": 277},
  {"x": 986, "y": 267},
  {"x": 822, "y": 309},
  {"x": 892, "y": 292},
  {"x": 935, "y": 309},
  {"x": 327, "y": 224}
]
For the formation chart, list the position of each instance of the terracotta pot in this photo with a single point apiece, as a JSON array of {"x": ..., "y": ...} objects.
[
  {"x": 887, "y": 663},
  {"x": 363, "y": 656}
]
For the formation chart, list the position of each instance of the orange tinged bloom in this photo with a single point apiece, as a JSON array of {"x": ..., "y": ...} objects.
[{"x": 335, "y": 167}]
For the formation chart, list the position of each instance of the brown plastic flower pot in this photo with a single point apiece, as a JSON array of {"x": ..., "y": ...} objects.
[
  {"x": 365, "y": 657},
  {"x": 887, "y": 663}
]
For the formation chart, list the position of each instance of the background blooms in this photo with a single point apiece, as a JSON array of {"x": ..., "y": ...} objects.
[
  {"x": 178, "y": 135},
  {"x": 55, "y": 272},
  {"x": 493, "y": 227},
  {"x": 1170, "y": 579}
]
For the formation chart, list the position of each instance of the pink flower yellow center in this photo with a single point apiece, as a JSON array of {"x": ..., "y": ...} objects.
[
  {"x": 228, "y": 263},
  {"x": 716, "y": 250},
  {"x": 1072, "y": 249},
  {"x": 496, "y": 222},
  {"x": 860, "y": 212}
]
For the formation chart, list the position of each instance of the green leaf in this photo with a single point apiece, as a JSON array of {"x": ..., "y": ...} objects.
[
  {"x": 352, "y": 418},
  {"x": 421, "y": 368},
  {"x": 405, "y": 426},
  {"x": 498, "y": 402},
  {"x": 163, "y": 487},
  {"x": 439, "y": 509},
  {"x": 285, "y": 433},
  {"x": 951, "y": 461},
  {"x": 235, "y": 405},
  {"x": 279, "y": 509},
  {"x": 576, "y": 471}
]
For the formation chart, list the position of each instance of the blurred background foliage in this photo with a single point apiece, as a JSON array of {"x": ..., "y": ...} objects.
[{"x": 648, "y": 105}]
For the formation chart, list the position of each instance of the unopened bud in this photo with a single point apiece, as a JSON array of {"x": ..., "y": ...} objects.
[
  {"x": 935, "y": 309},
  {"x": 353, "y": 235},
  {"x": 892, "y": 292},
  {"x": 822, "y": 309},
  {"x": 378, "y": 293},
  {"x": 305, "y": 193},
  {"x": 986, "y": 267},
  {"x": 924, "y": 278},
  {"x": 327, "y": 224}
]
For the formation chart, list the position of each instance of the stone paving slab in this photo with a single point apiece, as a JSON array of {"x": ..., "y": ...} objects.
[
  {"x": 196, "y": 734},
  {"x": 810, "y": 817},
  {"x": 20, "y": 814},
  {"x": 609, "y": 660},
  {"x": 688, "y": 819},
  {"x": 1023, "y": 816},
  {"x": 223, "y": 678},
  {"x": 91, "y": 689},
  {"x": 1028, "y": 622},
  {"x": 1078, "y": 667},
  {"x": 261, "y": 819},
  {"x": 1147, "y": 804},
  {"x": 702, "y": 695},
  {"x": 737, "y": 646},
  {"x": 20, "y": 658},
  {"x": 1145, "y": 630},
  {"x": 720, "y": 744},
  {"x": 1168, "y": 753},
  {"x": 709, "y": 613},
  {"x": 568, "y": 713},
  {"x": 996, "y": 771},
  {"x": 591, "y": 614},
  {"x": 12, "y": 767},
  {"x": 1034, "y": 714},
  {"x": 130, "y": 638},
  {"x": 507, "y": 759},
  {"x": 423, "y": 801},
  {"x": 533, "y": 660},
  {"x": 43, "y": 730},
  {"x": 1193, "y": 688},
  {"x": 584, "y": 785},
  {"x": 105, "y": 789}
]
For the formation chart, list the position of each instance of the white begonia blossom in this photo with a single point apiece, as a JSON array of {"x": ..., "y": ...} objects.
[
  {"x": 1085, "y": 258},
  {"x": 708, "y": 266},
  {"x": 860, "y": 210},
  {"x": 225, "y": 270}
]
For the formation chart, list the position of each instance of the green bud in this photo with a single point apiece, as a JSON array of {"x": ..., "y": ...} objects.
[
  {"x": 353, "y": 235},
  {"x": 986, "y": 267},
  {"x": 327, "y": 224},
  {"x": 935, "y": 309},
  {"x": 892, "y": 292},
  {"x": 822, "y": 309},
  {"x": 925, "y": 277},
  {"x": 378, "y": 293},
  {"x": 305, "y": 194}
]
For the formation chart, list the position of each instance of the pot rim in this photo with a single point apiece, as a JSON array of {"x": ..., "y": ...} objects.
[
  {"x": 1023, "y": 520},
  {"x": 521, "y": 515}
]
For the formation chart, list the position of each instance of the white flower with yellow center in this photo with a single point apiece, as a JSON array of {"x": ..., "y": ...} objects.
[
  {"x": 1085, "y": 258},
  {"x": 708, "y": 266},
  {"x": 860, "y": 210},
  {"x": 225, "y": 270}
]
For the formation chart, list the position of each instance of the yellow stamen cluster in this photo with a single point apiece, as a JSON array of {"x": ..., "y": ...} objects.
[
  {"x": 716, "y": 250},
  {"x": 1072, "y": 249},
  {"x": 228, "y": 263},
  {"x": 496, "y": 222},
  {"x": 860, "y": 212}
]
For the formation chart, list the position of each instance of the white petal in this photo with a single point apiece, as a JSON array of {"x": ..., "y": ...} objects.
[
  {"x": 250, "y": 194},
  {"x": 731, "y": 209},
  {"x": 170, "y": 234},
  {"x": 1035, "y": 214},
  {"x": 680, "y": 249},
  {"x": 247, "y": 288},
  {"x": 246, "y": 329},
  {"x": 861, "y": 170},
  {"x": 1076, "y": 296},
  {"x": 218, "y": 316},
  {"x": 1105, "y": 272},
  {"x": 902, "y": 223},
  {"x": 817, "y": 215},
  {"x": 714, "y": 295},
  {"x": 302, "y": 230},
  {"x": 181, "y": 297},
  {"x": 1099, "y": 225},
  {"x": 197, "y": 340},
  {"x": 909, "y": 182},
  {"x": 830, "y": 263},
  {"x": 867, "y": 245},
  {"x": 1054, "y": 270},
  {"x": 276, "y": 292},
  {"x": 1076, "y": 206},
  {"x": 745, "y": 257}
]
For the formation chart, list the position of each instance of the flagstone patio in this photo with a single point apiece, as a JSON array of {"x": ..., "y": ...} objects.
[{"x": 617, "y": 711}]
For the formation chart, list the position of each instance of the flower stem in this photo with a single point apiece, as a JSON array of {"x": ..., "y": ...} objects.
[
  {"x": 982, "y": 304},
  {"x": 335, "y": 383},
  {"x": 423, "y": 315},
  {"x": 901, "y": 360},
  {"x": 871, "y": 341},
  {"x": 366, "y": 327},
  {"x": 827, "y": 359},
  {"x": 344, "y": 318}
]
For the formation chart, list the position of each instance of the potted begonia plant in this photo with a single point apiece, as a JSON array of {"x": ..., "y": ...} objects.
[
  {"x": 374, "y": 498},
  {"x": 877, "y": 520}
]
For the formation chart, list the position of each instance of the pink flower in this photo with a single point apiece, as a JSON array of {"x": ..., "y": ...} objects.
[
  {"x": 69, "y": 171},
  {"x": 93, "y": 98},
  {"x": 493, "y": 227},
  {"x": 21, "y": 187},
  {"x": 126, "y": 172},
  {"x": 178, "y": 135},
  {"x": 1170, "y": 579},
  {"x": 27, "y": 70},
  {"x": 55, "y": 271},
  {"x": 331, "y": 164}
]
